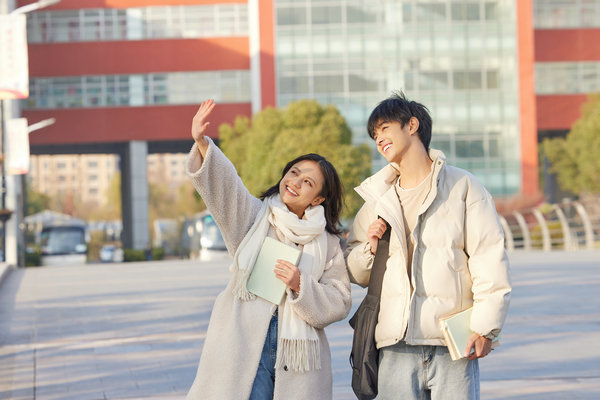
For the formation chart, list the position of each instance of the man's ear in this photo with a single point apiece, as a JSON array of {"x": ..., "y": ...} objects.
[
  {"x": 413, "y": 125},
  {"x": 318, "y": 200}
]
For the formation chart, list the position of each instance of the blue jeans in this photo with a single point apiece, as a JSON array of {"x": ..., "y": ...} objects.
[
  {"x": 425, "y": 372},
  {"x": 264, "y": 382}
]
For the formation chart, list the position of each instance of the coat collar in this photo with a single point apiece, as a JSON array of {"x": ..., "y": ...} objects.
[{"x": 375, "y": 187}]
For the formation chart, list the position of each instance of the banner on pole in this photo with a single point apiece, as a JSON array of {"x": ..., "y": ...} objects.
[
  {"x": 17, "y": 147},
  {"x": 14, "y": 69}
]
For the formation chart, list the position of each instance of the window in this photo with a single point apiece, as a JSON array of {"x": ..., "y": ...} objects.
[
  {"x": 328, "y": 84},
  {"x": 467, "y": 80},
  {"x": 326, "y": 15},
  {"x": 431, "y": 12},
  {"x": 359, "y": 15},
  {"x": 291, "y": 16},
  {"x": 469, "y": 148},
  {"x": 362, "y": 84},
  {"x": 465, "y": 11},
  {"x": 492, "y": 80},
  {"x": 433, "y": 80},
  {"x": 138, "y": 90},
  {"x": 99, "y": 24}
]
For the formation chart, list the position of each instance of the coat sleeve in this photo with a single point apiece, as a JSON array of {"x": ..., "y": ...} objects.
[
  {"x": 488, "y": 265},
  {"x": 358, "y": 252},
  {"x": 320, "y": 303},
  {"x": 217, "y": 182}
]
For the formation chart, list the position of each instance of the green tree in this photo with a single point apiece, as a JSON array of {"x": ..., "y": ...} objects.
[
  {"x": 575, "y": 158},
  {"x": 188, "y": 201},
  {"x": 36, "y": 201},
  {"x": 260, "y": 149}
]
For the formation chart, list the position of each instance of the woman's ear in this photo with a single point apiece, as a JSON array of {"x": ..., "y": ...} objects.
[{"x": 317, "y": 200}]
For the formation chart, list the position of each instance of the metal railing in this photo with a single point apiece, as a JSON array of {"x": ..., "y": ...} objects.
[{"x": 570, "y": 225}]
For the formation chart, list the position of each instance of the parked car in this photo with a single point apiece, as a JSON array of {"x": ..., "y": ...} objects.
[{"x": 111, "y": 253}]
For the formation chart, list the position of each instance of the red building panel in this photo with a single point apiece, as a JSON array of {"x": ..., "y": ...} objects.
[
  {"x": 558, "y": 112},
  {"x": 527, "y": 106},
  {"x": 567, "y": 45},
  {"x": 132, "y": 57},
  {"x": 98, "y": 125},
  {"x": 76, "y": 4}
]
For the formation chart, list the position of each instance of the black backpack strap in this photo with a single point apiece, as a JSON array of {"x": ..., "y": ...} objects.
[{"x": 381, "y": 257}]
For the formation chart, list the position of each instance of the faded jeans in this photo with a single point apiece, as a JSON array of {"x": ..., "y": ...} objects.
[
  {"x": 264, "y": 382},
  {"x": 425, "y": 372}
]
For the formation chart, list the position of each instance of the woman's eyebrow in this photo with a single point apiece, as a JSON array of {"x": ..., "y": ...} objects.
[{"x": 308, "y": 176}]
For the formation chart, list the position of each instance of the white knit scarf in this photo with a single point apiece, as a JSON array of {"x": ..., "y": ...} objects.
[{"x": 298, "y": 343}]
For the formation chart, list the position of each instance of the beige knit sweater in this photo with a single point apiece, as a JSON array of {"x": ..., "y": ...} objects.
[{"x": 237, "y": 329}]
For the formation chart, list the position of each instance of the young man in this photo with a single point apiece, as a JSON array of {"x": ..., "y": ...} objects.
[{"x": 446, "y": 254}]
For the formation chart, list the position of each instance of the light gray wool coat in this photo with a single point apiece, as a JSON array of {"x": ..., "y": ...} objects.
[{"x": 237, "y": 329}]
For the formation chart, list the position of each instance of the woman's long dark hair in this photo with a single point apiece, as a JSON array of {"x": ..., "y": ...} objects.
[{"x": 331, "y": 191}]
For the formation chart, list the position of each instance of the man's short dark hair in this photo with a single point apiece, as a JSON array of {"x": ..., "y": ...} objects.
[{"x": 398, "y": 108}]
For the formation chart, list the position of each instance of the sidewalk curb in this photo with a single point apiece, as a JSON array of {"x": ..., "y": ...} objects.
[{"x": 4, "y": 270}]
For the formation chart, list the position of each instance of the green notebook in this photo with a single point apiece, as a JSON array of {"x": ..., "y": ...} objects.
[
  {"x": 262, "y": 281},
  {"x": 457, "y": 333}
]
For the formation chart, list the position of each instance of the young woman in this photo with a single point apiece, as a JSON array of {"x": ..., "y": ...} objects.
[{"x": 255, "y": 349}]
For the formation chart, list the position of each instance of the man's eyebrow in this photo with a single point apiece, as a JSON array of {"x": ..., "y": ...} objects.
[{"x": 380, "y": 123}]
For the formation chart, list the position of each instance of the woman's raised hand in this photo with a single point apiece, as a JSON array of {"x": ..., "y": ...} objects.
[{"x": 199, "y": 125}]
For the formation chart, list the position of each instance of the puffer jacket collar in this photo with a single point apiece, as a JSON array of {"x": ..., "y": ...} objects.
[{"x": 378, "y": 191}]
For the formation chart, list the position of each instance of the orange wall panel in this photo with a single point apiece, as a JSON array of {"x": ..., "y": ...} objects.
[
  {"x": 99, "y": 125},
  {"x": 558, "y": 112},
  {"x": 130, "y": 57},
  {"x": 527, "y": 105},
  {"x": 76, "y": 4},
  {"x": 267, "y": 52},
  {"x": 567, "y": 45}
]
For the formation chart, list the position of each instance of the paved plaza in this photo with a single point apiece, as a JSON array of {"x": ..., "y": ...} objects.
[{"x": 135, "y": 331}]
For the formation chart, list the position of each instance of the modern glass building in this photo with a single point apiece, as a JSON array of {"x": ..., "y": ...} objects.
[
  {"x": 459, "y": 58},
  {"x": 132, "y": 70}
]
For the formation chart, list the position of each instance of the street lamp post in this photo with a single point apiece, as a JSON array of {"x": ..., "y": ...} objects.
[
  {"x": 5, "y": 214},
  {"x": 34, "y": 6}
]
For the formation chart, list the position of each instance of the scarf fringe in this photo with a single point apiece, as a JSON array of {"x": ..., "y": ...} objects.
[
  {"x": 240, "y": 290},
  {"x": 298, "y": 355}
]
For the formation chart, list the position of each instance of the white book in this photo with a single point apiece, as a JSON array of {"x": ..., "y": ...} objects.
[
  {"x": 457, "y": 332},
  {"x": 262, "y": 281}
]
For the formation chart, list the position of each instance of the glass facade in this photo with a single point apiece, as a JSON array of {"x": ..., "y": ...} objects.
[
  {"x": 567, "y": 77},
  {"x": 459, "y": 58},
  {"x": 561, "y": 14},
  {"x": 104, "y": 24},
  {"x": 138, "y": 90}
]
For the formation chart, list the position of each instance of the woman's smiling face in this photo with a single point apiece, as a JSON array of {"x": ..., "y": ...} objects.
[{"x": 301, "y": 187}]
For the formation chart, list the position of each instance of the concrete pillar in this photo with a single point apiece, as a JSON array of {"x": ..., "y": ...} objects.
[{"x": 134, "y": 192}]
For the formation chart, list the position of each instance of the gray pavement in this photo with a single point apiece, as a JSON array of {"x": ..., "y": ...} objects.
[{"x": 135, "y": 331}]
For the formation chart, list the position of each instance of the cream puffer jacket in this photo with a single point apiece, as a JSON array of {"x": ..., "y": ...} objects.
[{"x": 459, "y": 258}]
